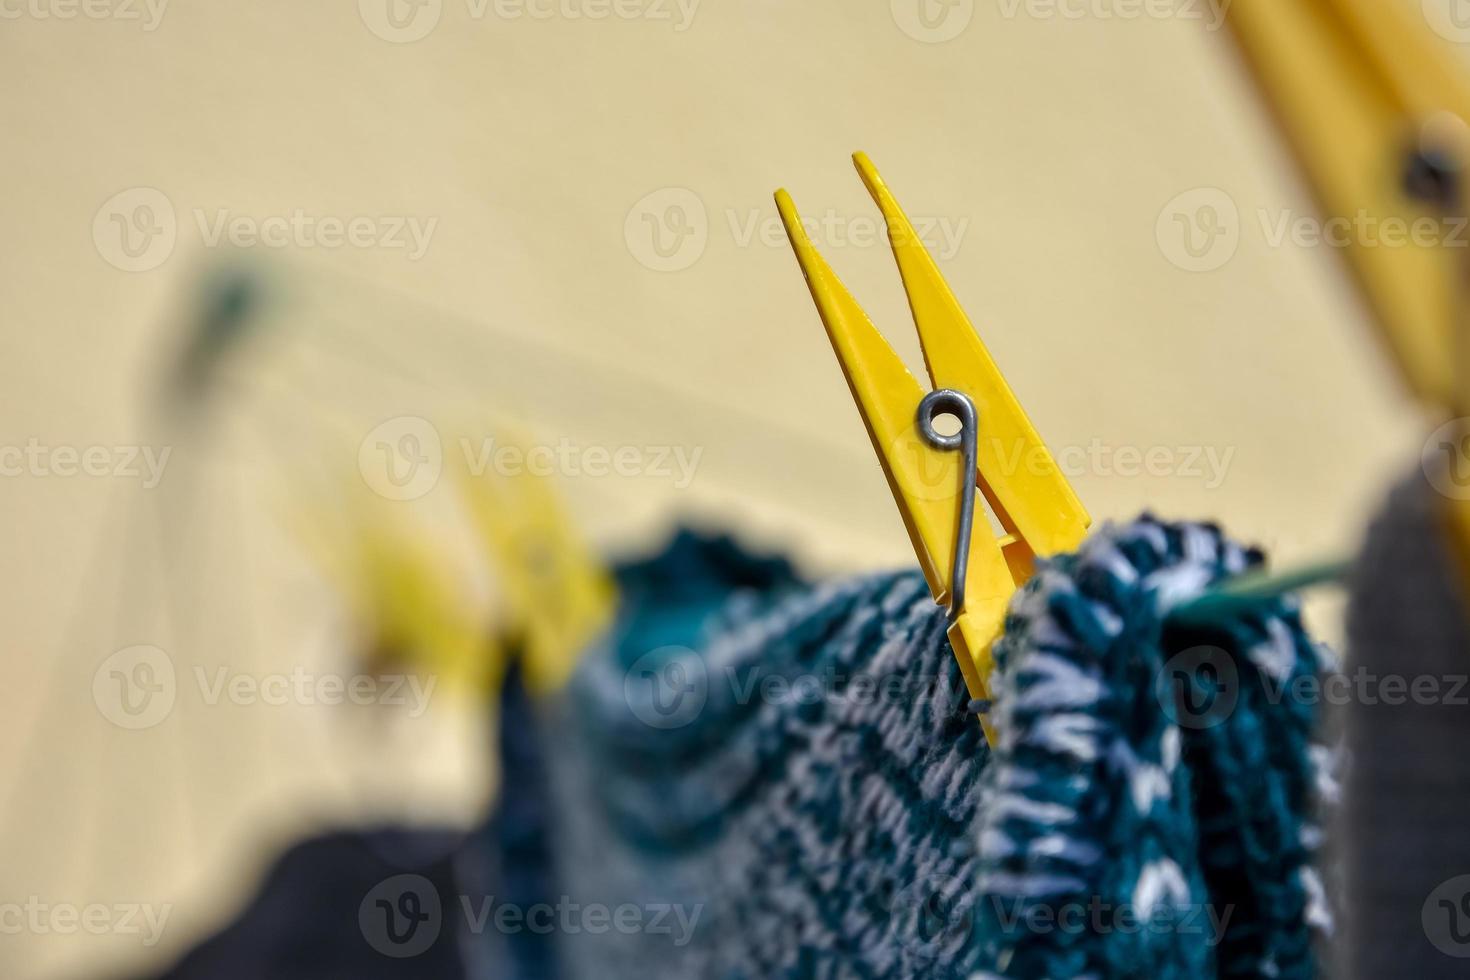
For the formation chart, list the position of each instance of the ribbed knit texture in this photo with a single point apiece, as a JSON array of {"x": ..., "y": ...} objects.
[
  {"x": 1150, "y": 810},
  {"x": 1407, "y": 723},
  {"x": 797, "y": 771}
]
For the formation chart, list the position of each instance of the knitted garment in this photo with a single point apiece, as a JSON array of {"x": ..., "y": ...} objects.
[
  {"x": 1150, "y": 808},
  {"x": 790, "y": 782},
  {"x": 1406, "y": 720}
]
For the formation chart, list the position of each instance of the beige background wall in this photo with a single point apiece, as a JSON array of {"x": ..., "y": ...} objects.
[{"x": 1052, "y": 149}]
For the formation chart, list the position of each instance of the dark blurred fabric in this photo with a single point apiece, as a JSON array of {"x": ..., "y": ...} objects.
[
  {"x": 1407, "y": 792},
  {"x": 399, "y": 903}
]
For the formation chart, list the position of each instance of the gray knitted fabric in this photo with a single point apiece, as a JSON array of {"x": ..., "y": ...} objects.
[
  {"x": 814, "y": 809},
  {"x": 791, "y": 783},
  {"x": 1407, "y": 791}
]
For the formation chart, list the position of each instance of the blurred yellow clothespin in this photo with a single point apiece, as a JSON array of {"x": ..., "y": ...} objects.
[
  {"x": 969, "y": 568},
  {"x": 1374, "y": 104},
  {"x": 405, "y": 590},
  {"x": 404, "y": 596},
  {"x": 559, "y": 594}
]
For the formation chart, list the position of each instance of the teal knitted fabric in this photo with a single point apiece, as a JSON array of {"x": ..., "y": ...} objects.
[
  {"x": 1151, "y": 809},
  {"x": 797, "y": 771}
]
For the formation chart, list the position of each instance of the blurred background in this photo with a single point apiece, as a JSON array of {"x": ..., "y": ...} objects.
[{"x": 271, "y": 265}]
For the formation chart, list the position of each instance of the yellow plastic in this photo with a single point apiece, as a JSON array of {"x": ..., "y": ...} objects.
[
  {"x": 400, "y": 591},
  {"x": 1352, "y": 83},
  {"x": 1355, "y": 84},
  {"x": 560, "y": 596},
  {"x": 403, "y": 590},
  {"x": 1028, "y": 493}
]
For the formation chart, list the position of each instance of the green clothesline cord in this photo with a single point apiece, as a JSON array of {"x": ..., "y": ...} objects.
[{"x": 1243, "y": 593}]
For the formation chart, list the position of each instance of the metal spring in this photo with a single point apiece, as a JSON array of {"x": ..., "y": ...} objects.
[{"x": 948, "y": 401}]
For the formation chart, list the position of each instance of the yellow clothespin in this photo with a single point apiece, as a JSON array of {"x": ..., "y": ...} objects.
[
  {"x": 402, "y": 594},
  {"x": 559, "y": 594},
  {"x": 1364, "y": 91},
  {"x": 1375, "y": 106},
  {"x": 969, "y": 568}
]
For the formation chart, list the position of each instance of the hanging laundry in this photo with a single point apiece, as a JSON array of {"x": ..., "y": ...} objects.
[
  {"x": 1152, "y": 805},
  {"x": 797, "y": 786},
  {"x": 755, "y": 777}
]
